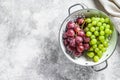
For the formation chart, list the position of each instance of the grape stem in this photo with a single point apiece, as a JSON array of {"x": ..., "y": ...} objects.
[{"x": 83, "y": 25}]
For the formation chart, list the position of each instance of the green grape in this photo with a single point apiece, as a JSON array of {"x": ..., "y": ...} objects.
[
  {"x": 91, "y": 49},
  {"x": 97, "y": 28},
  {"x": 103, "y": 49},
  {"x": 92, "y": 29},
  {"x": 107, "y": 20},
  {"x": 107, "y": 26},
  {"x": 101, "y": 28},
  {"x": 107, "y": 31},
  {"x": 102, "y": 33},
  {"x": 94, "y": 22},
  {"x": 97, "y": 19},
  {"x": 100, "y": 46},
  {"x": 110, "y": 32},
  {"x": 102, "y": 41},
  {"x": 107, "y": 40},
  {"x": 92, "y": 37},
  {"x": 102, "y": 20},
  {"x": 106, "y": 35},
  {"x": 96, "y": 58},
  {"x": 99, "y": 53},
  {"x": 94, "y": 46},
  {"x": 101, "y": 38},
  {"x": 90, "y": 43},
  {"x": 96, "y": 33},
  {"x": 89, "y": 25},
  {"x": 96, "y": 50},
  {"x": 99, "y": 24},
  {"x": 93, "y": 18},
  {"x": 90, "y": 54},
  {"x": 88, "y": 20},
  {"x": 88, "y": 33},
  {"x": 105, "y": 43},
  {"x": 98, "y": 42},
  {"x": 93, "y": 41},
  {"x": 104, "y": 24},
  {"x": 86, "y": 29}
]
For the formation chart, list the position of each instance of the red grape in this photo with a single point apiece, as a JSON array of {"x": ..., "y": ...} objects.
[
  {"x": 72, "y": 42},
  {"x": 86, "y": 46},
  {"x": 80, "y": 21},
  {"x": 80, "y": 44},
  {"x": 80, "y": 48},
  {"x": 81, "y": 33},
  {"x": 70, "y": 48},
  {"x": 69, "y": 39},
  {"x": 77, "y": 28},
  {"x": 78, "y": 39},
  {"x": 77, "y": 54},
  {"x": 64, "y": 35},
  {"x": 86, "y": 39},
  {"x": 70, "y": 33},
  {"x": 70, "y": 25},
  {"x": 65, "y": 42}
]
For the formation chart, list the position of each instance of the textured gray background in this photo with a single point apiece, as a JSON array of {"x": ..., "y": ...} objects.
[{"x": 29, "y": 48}]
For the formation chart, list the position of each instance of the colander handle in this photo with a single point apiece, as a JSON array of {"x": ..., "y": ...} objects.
[
  {"x": 97, "y": 70},
  {"x": 80, "y": 4}
]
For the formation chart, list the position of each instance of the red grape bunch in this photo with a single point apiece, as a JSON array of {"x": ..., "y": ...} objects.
[{"x": 75, "y": 39}]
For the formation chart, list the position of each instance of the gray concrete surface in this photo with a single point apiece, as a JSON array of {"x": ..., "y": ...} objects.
[{"x": 29, "y": 48}]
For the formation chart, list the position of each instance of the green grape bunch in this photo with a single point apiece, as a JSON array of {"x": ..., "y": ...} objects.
[{"x": 99, "y": 30}]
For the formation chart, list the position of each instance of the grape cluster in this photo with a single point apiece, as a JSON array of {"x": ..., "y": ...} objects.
[
  {"x": 99, "y": 31},
  {"x": 75, "y": 39},
  {"x": 87, "y": 35}
]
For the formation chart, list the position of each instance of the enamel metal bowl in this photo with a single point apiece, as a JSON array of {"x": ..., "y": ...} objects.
[{"x": 86, "y": 12}]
